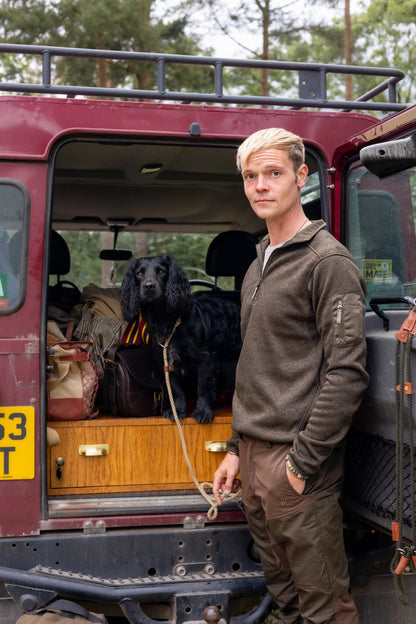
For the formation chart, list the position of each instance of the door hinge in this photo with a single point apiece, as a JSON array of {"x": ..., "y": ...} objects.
[
  {"x": 196, "y": 522},
  {"x": 89, "y": 528}
]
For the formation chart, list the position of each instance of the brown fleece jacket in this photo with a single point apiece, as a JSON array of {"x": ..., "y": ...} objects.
[{"x": 301, "y": 373}]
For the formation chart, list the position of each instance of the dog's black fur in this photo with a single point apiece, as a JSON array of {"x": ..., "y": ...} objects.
[{"x": 209, "y": 330}]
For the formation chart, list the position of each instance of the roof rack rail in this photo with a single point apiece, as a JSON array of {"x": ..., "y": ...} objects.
[{"x": 312, "y": 79}]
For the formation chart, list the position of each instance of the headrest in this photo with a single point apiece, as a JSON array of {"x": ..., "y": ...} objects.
[
  {"x": 230, "y": 253},
  {"x": 59, "y": 257}
]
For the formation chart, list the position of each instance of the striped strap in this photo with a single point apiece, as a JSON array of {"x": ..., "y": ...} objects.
[{"x": 136, "y": 332}]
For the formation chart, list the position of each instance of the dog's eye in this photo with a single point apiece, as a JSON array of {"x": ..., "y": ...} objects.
[
  {"x": 139, "y": 274},
  {"x": 161, "y": 271}
]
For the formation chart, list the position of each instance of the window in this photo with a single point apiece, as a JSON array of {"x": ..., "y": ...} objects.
[
  {"x": 381, "y": 235},
  {"x": 188, "y": 249},
  {"x": 14, "y": 209}
]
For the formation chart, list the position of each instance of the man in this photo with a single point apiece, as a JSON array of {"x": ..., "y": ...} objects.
[{"x": 300, "y": 378}]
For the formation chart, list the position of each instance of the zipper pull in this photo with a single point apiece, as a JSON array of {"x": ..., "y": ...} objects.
[
  {"x": 339, "y": 312},
  {"x": 256, "y": 290}
]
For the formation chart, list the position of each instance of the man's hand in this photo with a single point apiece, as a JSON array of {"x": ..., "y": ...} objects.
[
  {"x": 225, "y": 477},
  {"x": 297, "y": 484}
]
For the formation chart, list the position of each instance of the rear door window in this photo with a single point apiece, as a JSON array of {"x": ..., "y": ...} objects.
[
  {"x": 381, "y": 230},
  {"x": 14, "y": 213}
]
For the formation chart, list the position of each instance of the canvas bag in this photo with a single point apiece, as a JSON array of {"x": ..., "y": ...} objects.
[
  {"x": 61, "y": 612},
  {"x": 72, "y": 380},
  {"x": 132, "y": 386},
  {"x": 101, "y": 332}
]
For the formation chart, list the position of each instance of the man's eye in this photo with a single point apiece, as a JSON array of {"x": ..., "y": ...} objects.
[{"x": 275, "y": 174}]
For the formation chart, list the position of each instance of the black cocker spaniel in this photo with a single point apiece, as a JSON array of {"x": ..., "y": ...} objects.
[{"x": 208, "y": 334}]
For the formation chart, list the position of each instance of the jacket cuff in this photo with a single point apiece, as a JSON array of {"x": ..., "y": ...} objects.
[
  {"x": 294, "y": 467},
  {"x": 233, "y": 443}
]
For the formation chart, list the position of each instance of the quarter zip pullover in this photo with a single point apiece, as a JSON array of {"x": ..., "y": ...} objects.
[{"x": 301, "y": 372}]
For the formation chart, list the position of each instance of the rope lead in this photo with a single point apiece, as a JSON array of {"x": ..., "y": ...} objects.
[
  {"x": 213, "y": 509},
  {"x": 404, "y": 557}
]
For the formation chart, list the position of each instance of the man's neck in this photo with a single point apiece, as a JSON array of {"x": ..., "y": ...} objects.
[{"x": 282, "y": 231}]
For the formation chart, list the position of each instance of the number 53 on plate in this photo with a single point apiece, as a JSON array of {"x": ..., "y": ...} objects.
[{"x": 17, "y": 443}]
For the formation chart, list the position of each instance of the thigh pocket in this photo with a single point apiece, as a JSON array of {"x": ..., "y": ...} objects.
[
  {"x": 279, "y": 497},
  {"x": 316, "y": 548}
]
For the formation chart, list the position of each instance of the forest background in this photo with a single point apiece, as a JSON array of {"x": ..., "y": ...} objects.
[
  {"x": 368, "y": 32},
  {"x": 360, "y": 32}
]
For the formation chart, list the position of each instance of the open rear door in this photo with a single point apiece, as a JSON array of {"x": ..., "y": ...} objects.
[{"x": 379, "y": 203}]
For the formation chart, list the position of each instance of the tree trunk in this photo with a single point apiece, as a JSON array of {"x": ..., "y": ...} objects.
[
  {"x": 264, "y": 81},
  {"x": 102, "y": 72},
  {"x": 348, "y": 50}
]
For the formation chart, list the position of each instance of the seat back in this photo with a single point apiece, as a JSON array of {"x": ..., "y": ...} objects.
[
  {"x": 230, "y": 254},
  {"x": 59, "y": 256},
  {"x": 64, "y": 294}
]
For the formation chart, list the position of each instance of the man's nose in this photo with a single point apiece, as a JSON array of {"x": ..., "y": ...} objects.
[{"x": 261, "y": 182}]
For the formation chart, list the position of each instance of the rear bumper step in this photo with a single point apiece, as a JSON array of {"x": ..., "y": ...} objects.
[{"x": 33, "y": 588}]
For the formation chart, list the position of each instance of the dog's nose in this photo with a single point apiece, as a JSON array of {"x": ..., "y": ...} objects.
[{"x": 148, "y": 284}]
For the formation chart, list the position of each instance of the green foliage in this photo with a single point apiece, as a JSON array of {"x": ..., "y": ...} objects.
[
  {"x": 386, "y": 37},
  {"x": 383, "y": 35},
  {"x": 323, "y": 44},
  {"x": 128, "y": 25},
  {"x": 84, "y": 249},
  {"x": 189, "y": 250}
]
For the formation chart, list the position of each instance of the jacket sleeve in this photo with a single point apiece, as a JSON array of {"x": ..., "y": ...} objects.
[
  {"x": 337, "y": 292},
  {"x": 233, "y": 443}
]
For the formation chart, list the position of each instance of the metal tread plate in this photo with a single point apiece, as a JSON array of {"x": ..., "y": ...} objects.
[{"x": 148, "y": 580}]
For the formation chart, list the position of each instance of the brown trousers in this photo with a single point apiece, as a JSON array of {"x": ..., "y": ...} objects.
[{"x": 299, "y": 537}]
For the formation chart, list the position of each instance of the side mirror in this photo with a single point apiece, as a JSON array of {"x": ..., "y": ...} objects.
[{"x": 384, "y": 159}]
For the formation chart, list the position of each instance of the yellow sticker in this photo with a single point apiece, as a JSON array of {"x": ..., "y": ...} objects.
[
  {"x": 377, "y": 270},
  {"x": 17, "y": 443}
]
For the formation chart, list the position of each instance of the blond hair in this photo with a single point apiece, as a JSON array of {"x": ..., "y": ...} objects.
[{"x": 276, "y": 138}]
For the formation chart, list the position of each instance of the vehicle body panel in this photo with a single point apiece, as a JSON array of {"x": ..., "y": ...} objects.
[
  {"x": 20, "y": 354},
  {"x": 32, "y": 125}
]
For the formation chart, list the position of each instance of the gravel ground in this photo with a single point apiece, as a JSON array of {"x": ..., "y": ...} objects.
[{"x": 273, "y": 618}]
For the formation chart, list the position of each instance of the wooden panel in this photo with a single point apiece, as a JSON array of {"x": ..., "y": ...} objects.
[{"x": 144, "y": 454}]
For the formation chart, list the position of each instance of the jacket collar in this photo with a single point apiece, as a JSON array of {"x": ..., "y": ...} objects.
[{"x": 305, "y": 235}]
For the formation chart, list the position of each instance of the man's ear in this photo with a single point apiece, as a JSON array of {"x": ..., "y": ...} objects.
[{"x": 301, "y": 175}]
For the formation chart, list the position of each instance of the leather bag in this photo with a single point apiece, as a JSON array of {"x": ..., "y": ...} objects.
[
  {"x": 72, "y": 381},
  {"x": 132, "y": 386}
]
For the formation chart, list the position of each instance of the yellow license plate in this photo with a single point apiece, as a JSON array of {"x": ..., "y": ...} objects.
[{"x": 17, "y": 443}]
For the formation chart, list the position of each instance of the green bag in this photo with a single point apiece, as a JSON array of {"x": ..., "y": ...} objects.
[{"x": 61, "y": 612}]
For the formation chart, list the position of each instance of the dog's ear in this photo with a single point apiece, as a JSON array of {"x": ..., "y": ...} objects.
[
  {"x": 130, "y": 294},
  {"x": 178, "y": 288}
]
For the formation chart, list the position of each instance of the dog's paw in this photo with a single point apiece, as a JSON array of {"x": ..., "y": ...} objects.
[
  {"x": 169, "y": 414},
  {"x": 203, "y": 416}
]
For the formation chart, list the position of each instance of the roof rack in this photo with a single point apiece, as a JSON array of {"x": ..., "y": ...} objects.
[{"x": 312, "y": 79}]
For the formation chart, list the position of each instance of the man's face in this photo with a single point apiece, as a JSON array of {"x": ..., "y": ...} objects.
[{"x": 271, "y": 184}]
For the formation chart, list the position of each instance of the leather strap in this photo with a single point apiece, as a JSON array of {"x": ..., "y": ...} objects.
[
  {"x": 110, "y": 371},
  {"x": 67, "y": 606}
]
